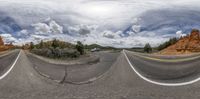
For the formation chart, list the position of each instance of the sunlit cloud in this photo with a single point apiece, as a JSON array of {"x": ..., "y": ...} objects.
[{"x": 119, "y": 23}]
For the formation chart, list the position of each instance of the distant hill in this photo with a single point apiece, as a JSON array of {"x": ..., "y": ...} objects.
[
  {"x": 99, "y": 46},
  {"x": 187, "y": 44}
]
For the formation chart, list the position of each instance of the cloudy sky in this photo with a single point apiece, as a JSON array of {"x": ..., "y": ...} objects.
[{"x": 118, "y": 23}]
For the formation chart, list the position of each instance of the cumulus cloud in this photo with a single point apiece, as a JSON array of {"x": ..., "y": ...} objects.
[
  {"x": 108, "y": 34},
  {"x": 82, "y": 29},
  {"x": 45, "y": 28},
  {"x": 131, "y": 33},
  {"x": 180, "y": 34},
  {"x": 136, "y": 28},
  {"x": 41, "y": 28},
  {"x": 112, "y": 35},
  {"x": 8, "y": 38},
  {"x": 75, "y": 19},
  {"x": 136, "y": 20},
  {"x": 55, "y": 27},
  {"x": 23, "y": 33},
  {"x": 39, "y": 31}
]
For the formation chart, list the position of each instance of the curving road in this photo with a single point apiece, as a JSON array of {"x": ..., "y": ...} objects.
[
  {"x": 6, "y": 61},
  {"x": 75, "y": 74},
  {"x": 166, "y": 70},
  {"x": 119, "y": 81}
]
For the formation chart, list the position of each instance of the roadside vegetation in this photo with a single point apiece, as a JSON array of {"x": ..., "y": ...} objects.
[
  {"x": 147, "y": 48},
  {"x": 167, "y": 43},
  {"x": 57, "y": 49}
]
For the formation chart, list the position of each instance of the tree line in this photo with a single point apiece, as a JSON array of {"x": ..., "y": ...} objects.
[
  {"x": 171, "y": 41},
  {"x": 57, "y": 49}
]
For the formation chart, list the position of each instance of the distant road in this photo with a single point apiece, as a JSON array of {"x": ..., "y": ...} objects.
[{"x": 118, "y": 82}]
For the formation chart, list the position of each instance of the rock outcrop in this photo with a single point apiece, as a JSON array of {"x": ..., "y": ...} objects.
[
  {"x": 4, "y": 47},
  {"x": 1, "y": 41},
  {"x": 187, "y": 44}
]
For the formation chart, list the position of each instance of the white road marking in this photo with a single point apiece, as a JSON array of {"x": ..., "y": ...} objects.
[
  {"x": 8, "y": 71},
  {"x": 159, "y": 83}
]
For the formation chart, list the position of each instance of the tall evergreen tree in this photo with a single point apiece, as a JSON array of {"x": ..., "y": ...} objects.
[
  {"x": 171, "y": 41},
  {"x": 80, "y": 47},
  {"x": 55, "y": 43},
  {"x": 41, "y": 45},
  {"x": 147, "y": 48},
  {"x": 31, "y": 45}
]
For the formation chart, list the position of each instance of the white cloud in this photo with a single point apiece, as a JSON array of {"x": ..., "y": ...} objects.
[
  {"x": 41, "y": 31},
  {"x": 136, "y": 20},
  {"x": 136, "y": 28},
  {"x": 82, "y": 29},
  {"x": 131, "y": 33},
  {"x": 180, "y": 34},
  {"x": 23, "y": 33},
  {"x": 8, "y": 38},
  {"x": 111, "y": 35},
  {"x": 55, "y": 28},
  {"x": 41, "y": 28},
  {"x": 45, "y": 28},
  {"x": 108, "y": 16}
]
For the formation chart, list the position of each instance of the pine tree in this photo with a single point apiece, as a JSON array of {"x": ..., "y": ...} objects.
[
  {"x": 147, "y": 48},
  {"x": 31, "y": 45},
  {"x": 80, "y": 47},
  {"x": 55, "y": 44},
  {"x": 41, "y": 45}
]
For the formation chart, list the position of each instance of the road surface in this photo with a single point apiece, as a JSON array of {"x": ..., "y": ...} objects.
[
  {"x": 118, "y": 82},
  {"x": 166, "y": 70},
  {"x": 6, "y": 61},
  {"x": 77, "y": 74}
]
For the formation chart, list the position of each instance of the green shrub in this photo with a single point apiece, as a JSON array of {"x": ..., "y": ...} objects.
[
  {"x": 56, "y": 53},
  {"x": 57, "y": 49}
]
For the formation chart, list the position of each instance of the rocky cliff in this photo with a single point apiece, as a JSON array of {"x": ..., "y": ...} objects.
[
  {"x": 1, "y": 41},
  {"x": 187, "y": 44},
  {"x": 4, "y": 47}
]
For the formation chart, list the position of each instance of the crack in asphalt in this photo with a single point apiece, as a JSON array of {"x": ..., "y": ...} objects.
[{"x": 64, "y": 78}]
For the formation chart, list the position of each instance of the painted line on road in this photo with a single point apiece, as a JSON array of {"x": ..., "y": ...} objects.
[
  {"x": 166, "y": 60},
  {"x": 9, "y": 70},
  {"x": 158, "y": 83}
]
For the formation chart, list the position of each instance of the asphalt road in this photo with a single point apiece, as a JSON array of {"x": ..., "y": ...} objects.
[
  {"x": 166, "y": 70},
  {"x": 118, "y": 82},
  {"x": 77, "y": 74},
  {"x": 7, "y": 60}
]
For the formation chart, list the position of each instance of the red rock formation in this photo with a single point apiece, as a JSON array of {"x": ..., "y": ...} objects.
[
  {"x": 187, "y": 44},
  {"x": 1, "y": 41},
  {"x": 4, "y": 47}
]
